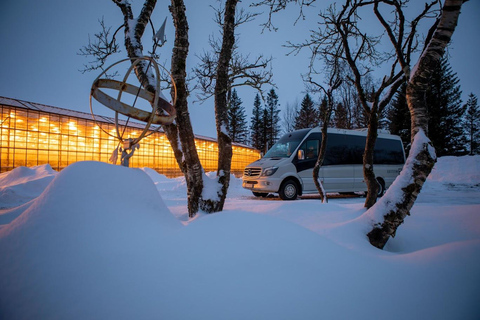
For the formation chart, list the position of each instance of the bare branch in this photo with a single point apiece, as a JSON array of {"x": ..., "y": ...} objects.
[
  {"x": 279, "y": 5},
  {"x": 242, "y": 71},
  {"x": 101, "y": 48}
]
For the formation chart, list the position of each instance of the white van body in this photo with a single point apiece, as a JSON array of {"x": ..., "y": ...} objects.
[{"x": 287, "y": 168}]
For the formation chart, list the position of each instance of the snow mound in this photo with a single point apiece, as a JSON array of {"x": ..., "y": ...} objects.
[
  {"x": 165, "y": 184},
  {"x": 100, "y": 243},
  {"x": 179, "y": 187},
  {"x": 25, "y": 174},
  {"x": 243, "y": 265},
  {"x": 23, "y": 184},
  {"x": 84, "y": 244},
  {"x": 456, "y": 170}
]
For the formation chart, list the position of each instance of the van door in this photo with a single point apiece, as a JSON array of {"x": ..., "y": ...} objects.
[
  {"x": 309, "y": 151},
  {"x": 338, "y": 170},
  {"x": 360, "y": 184},
  {"x": 338, "y": 178}
]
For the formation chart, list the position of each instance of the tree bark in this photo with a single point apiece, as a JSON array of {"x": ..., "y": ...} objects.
[
  {"x": 422, "y": 155},
  {"x": 334, "y": 84},
  {"x": 368, "y": 172},
  {"x": 180, "y": 135},
  {"x": 319, "y": 163},
  {"x": 221, "y": 106}
]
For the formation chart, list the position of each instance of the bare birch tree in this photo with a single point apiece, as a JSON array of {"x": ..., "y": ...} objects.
[
  {"x": 333, "y": 67},
  {"x": 218, "y": 74},
  {"x": 180, "y": 134},
  {"x": 334, "y": 82},
  {"x": 289, "y": 115},
  {"x": 340, "y": 37},
  {"x": 390, "y": 212}
]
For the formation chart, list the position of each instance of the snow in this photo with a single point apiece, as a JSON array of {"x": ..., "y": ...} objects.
[
  {"x": 389, "y": 201},
  {"x": 23, "y": 184},
  {"x": 212, "y": 189},
  {"x": 98, "y": 241}
]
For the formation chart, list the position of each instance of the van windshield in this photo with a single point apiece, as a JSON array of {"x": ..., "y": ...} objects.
[{"x": 286, "y": 145}]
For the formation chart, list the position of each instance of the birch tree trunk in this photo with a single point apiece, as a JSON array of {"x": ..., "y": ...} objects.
[
  {"x": 368, "y": 170},
  {"x": 323, "y": 145},
  {"x": 391, "y": 210},
  {"x": 181, "y": 136},
  {"x": 319, "y": 163},
  {"x": 221, "y": 103}
]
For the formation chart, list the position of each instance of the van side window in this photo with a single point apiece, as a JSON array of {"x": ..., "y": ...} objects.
[
  {"x": 310, "y": 149},
  {"x": 388, "y": 151},
  {"x": 344, "y": 149},
  {"x": 337, "y": 150}
]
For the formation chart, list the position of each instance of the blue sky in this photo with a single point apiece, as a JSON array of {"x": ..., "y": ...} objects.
[{"x": 39, "y": 41}]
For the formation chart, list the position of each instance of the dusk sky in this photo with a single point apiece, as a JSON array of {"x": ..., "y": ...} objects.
[{"x": 39, "y": 42}]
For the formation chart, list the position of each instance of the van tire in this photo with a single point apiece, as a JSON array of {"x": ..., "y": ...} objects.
[
  {"x": 260, "y": 194},
  {"x": 381, "y": 185},
  {"x": 289, "y": 190}
]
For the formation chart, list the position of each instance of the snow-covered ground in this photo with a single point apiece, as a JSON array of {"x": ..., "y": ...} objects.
[{"x": 98, "y": 241}]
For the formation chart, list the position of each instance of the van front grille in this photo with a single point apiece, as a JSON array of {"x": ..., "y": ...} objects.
[{"x": 252, "y": 172}]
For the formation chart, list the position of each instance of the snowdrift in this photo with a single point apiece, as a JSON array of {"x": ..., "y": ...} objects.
[
  {"x": 82, "y": 247},
  {"x": 456, "y": 170},
  {"x": 105, "y": 242},
  {"x": 23, "y": 184}
]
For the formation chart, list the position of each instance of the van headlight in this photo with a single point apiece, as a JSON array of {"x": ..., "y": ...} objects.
[{"x": 269, "y": 171}]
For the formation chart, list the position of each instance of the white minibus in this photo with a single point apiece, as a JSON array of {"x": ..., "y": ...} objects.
[{"x": 287, "y": 168}]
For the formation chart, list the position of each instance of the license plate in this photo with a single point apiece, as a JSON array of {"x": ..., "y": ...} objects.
[{"x": 249, "y": 185}]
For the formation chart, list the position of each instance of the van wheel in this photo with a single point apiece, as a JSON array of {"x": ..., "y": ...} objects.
[
  {"x": 289, "y": 190},
  {"x": 260, "y": 194},
  {"x": 381, "y": 185}
]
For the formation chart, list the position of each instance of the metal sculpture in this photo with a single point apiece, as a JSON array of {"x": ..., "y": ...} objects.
[{"x": 162, "y": 113}]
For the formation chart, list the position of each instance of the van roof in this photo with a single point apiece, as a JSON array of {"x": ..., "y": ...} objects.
[{"x": 356, "y": 132}]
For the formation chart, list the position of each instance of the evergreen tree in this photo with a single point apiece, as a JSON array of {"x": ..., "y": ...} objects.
[
  {"x": 340, "y": 118},
  {"x": 237, "y": 122},
  {"x": 399, "y": 117},
  {"x": 307, "y": 116},
  {"x": 265, "y": 129},
  {"x": 471, "y": 124},
  {"x": 256, "y": 125},
  {"x": 322, "y": 110},
  {"x": 445, "y": 111},
  {"x": 272, "y": 121},
  {"x": 360, "y": 118}
]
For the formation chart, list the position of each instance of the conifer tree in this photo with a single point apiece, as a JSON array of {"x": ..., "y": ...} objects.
[
  {"x": 322, "y": 111},
  {"x": 237, "y": 123},
  {"x": 399, "y": 117},
  {"x": 256, "y": 125},
  {"x": 272, "y": 121},
  {"x": 445, "y": 111},
  {"x": 308, "y": 116},
  {"x": 265, "y": 129},
  {"x": 340, "y": 118},
  {"x": 471, "y": 124}
]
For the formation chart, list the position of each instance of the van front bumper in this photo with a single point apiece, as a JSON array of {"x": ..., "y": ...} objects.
[{"x": 261, "y": 185}]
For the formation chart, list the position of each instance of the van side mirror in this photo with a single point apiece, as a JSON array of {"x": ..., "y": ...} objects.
[{"x": 301, "y": 154}]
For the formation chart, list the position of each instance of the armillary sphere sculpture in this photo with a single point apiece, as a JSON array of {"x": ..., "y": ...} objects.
[{"x": 162, "y": 112}]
